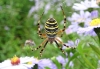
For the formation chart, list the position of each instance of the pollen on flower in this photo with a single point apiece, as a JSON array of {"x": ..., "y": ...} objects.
[
  {"x": 29, "y": 62},
  {"x": 95, "y": 22},
  {"x": 15, "y": 60}
]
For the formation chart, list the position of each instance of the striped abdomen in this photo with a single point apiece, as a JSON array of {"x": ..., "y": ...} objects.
[{"x": 51, "y": 27}]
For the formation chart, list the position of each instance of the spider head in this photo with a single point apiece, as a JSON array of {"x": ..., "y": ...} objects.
[{"x": 51, "y": 20}]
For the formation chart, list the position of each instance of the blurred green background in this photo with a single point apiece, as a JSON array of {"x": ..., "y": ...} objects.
[{"x": 15, "y": 27}]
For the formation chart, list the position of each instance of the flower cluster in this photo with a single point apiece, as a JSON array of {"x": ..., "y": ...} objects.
[
  {"x": 26, "y": 63},
  {"x": 86, "y": 19},
  {"x": 32, "y": 62}
]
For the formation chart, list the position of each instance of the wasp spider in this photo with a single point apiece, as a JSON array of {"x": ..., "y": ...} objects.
[{"x": 51, "y": 33}]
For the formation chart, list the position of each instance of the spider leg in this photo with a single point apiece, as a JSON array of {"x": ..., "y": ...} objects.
[
  {"x": 60, "y": 47},
  {"x": 40, "y": 45},
  {"x": 64, "y": 19},
  {"x": 60, "y": 42},
  {"x": 73, "y": 47},
  {"x": 43, "y": 48},
  {"x": 61, "y": 31},
  {"x": 42, "y": 35}
]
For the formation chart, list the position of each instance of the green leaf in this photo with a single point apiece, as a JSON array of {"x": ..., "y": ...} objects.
[
  {"x": 95, "y": 49},
  {"x": 95, "y": 41},
  {"x": 87, "y": 62},
  {"x": 81, "y": 51},
  {"x": 80, "y": 47}
]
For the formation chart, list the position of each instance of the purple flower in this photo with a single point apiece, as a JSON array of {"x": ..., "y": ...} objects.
[
  {"x": 94, "y": 14},
  {"x": 72, "y": 43},
  {"x": 86, "y": 31},
  {"x": 61, "y": 60},
  {"x": 46, "y": 63},
  {"x": 79, "y": 20},
  {"x": 95, "y": 23},
  {"x": 86, "y": 4},
  {"x": 82, "y": 17},
  {"x": 28, "y": 63},
  {"x": 72, "y": 28},
  {"x": 64, "y": 61}
]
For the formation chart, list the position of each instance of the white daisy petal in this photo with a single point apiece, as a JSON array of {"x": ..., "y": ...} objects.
[{"x": 83, "y": 5}]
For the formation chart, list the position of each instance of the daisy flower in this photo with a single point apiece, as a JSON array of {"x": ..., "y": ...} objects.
[
  {"x": 86, "y": 31},
  {"x": 72, "y": 28},
  {"x": 72, "y": 43},
  {"x": 18, "y": 63},
  {"x": 94, "y": 27},
  {"x": 82, "y": 17},
  {"x": 26, "y": 63},
  {"x": 46, "y": 63},
  {"x": 84, "y": 5},
  {"x": 94, "y": 14},
  {"x": 79, "y": 20},
  {"x": 63, "y": 60}
]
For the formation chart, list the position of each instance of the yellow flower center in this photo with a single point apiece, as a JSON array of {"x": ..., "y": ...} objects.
[
  {"x": 15, "y": 60},
  {"x": 95, "y": 22},
  {"x": 29, "y": 62}
]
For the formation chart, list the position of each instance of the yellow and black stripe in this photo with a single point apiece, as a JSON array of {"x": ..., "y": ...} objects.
[
  {"x": 64, "y": 19},
  {"x": 51, "y": 27}
]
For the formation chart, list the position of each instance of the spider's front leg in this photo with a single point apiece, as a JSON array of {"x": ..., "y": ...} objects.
[
  {"x": 42, "y": 35},
  {"x": 60, "y": 32},
  {"x": 64, "y": 19}
]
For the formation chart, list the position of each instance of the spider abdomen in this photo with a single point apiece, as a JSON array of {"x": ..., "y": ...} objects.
[{"x": 51, "y": 27}]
